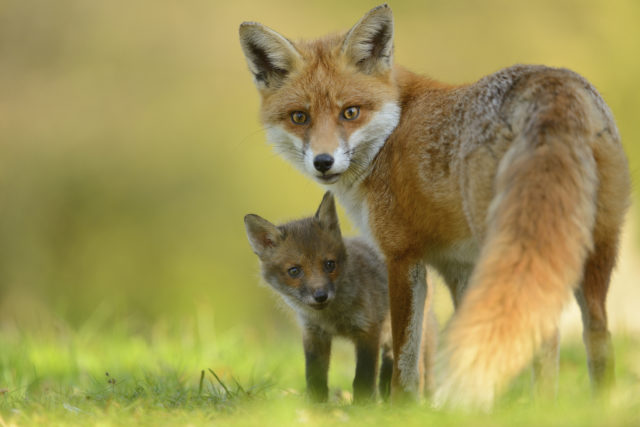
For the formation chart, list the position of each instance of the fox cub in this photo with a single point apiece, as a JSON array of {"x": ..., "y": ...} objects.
[{"x": 337, "y": 288}]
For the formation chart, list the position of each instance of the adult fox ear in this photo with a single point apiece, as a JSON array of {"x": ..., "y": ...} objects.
[
  {"x": 327, "y": 214},
  {"x": 270, "y": 56},
  {"x": 261, "y": 233},
  {"x": 369, "y": 44}
]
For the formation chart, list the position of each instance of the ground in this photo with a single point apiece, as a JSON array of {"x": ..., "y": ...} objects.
[{"x": 110, "y": 374}]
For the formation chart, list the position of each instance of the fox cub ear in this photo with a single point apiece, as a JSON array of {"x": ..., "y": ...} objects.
[
  {"x": 327, "y": 214},
  {"x": 369, "y": 44},
  {"x": 261, "y": 233},
  {"x": 270, "y": 56}
]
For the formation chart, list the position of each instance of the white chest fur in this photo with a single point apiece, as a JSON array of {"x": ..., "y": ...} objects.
[{"x": 353, "y": 200}]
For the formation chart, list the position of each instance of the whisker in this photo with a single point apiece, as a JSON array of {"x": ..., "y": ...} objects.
[{"x": 247, "y": 137}]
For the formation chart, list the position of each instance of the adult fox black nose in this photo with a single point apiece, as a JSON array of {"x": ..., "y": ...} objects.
[
  {"x": 320, "y": 295},
  {"x": 323, "y": 162}
]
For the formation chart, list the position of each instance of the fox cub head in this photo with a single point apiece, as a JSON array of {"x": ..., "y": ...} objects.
[
  {"x": 303, "y": 259},
  {"x": 328, "y": 105}
]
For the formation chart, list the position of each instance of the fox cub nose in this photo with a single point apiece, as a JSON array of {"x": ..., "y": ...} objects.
[
  {"x": 320, "y": 295},
  {"x": 323, "y": 162}
]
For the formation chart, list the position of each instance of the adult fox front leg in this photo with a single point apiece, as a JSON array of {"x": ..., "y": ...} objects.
[{"x": 513, "y": 187}]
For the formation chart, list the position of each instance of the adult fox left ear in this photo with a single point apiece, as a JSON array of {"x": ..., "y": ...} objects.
[
  {"x": 327, "y": 214},
  {"x": 270, "y": 56},
  {"x": 369, "y": 44}
]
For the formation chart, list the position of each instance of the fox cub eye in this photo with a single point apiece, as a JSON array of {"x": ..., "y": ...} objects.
[
  {"x": 329, "y": 266},
  {"x": 294, "y": 272},
  {"x": 351, "y": 113},
  {"x": 299, "y": 117}
]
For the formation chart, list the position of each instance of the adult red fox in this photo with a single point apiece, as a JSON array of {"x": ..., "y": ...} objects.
[{"x": 514, "y": 188}]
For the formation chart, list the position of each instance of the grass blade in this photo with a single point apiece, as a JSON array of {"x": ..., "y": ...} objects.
[{"x": 221, "y": 383}]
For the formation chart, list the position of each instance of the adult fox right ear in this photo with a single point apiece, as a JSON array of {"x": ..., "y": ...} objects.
[
  {"x": 261, "y": 233},
  {"x": 369, "y": 44},
  {"x": 327, "y": 214},
  {"x": 270, "y": 56}
]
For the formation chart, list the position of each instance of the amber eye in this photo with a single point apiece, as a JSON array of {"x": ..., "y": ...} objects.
[
  {"x": 299, "y": 117},
  {"x": 329, "y": 266},
  {"x": 294, "y": 272},
  {"x": 351, "y": 113}
]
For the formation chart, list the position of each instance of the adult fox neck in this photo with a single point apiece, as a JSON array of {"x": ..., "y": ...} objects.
[{"x": 411, "y": 85}]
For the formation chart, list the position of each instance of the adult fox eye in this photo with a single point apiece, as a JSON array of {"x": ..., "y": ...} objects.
[
  {"x": 299, "y": 117},
  {"x": 294, "y": 272},
  {"x": 351, "y": 113},
  {"x": 329, "y": 266}
]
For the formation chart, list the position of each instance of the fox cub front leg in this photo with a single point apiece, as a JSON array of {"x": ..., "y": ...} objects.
[
  {"x": 317, "y": 351},
  {"x": 386, "y": 371},
  {"x": 364, "y": 382}
]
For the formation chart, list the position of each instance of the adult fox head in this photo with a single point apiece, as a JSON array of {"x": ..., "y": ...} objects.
[
  {"x": 302, "y": 260},
  {"x": 327, "y": 105}
]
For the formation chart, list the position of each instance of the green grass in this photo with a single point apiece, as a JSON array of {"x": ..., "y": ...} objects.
[{"x": 178, "y": 374}]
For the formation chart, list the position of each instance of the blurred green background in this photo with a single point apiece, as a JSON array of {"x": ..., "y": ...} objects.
[{"x": 130, "y": 147}]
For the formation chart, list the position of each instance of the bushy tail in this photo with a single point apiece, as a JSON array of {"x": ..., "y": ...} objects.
[{"x": 539, "y": 234}]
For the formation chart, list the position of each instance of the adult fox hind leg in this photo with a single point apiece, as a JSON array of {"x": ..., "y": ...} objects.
[
  {"x": 429, "y": 345},
  {"x": 545, "y": 367},
  {"x": 591, "y": 297},
  {"x": 613, "y": 196}
]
